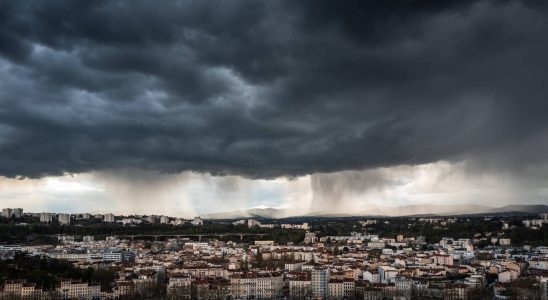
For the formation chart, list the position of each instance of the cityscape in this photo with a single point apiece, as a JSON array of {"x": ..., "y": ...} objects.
[
  {"x": 500, "y": 256},
  {"x": 274, "y": 149}
]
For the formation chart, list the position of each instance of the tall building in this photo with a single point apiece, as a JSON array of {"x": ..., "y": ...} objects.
[
  {"x": 404, "y": 285},
  {"x": 179, "y": 287},
  {"x": 387, "y": 273},
  {"x": 12, "y": 212},
  {"x": 310, "y": 238},
  {"x": 6, "y": 213},
  {"x": 319, "y": 280},
  {"x": 543, "y": 287},
  {"x": 164, "y": 219},
  {"x": 303, "y": 226},
  {"x": 86, "y": 215},
  {"x": 17, "y": 212},
  {"x": 299, "y": 286},
  {"x": 109, "y": 218},
  {"x": 46, "y": 217},
  {"x": 252, "y": 223},
  {"x": 64, "y": 219}
]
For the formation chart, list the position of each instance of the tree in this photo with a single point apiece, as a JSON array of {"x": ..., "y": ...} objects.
[{"x": 259, "y": 259}]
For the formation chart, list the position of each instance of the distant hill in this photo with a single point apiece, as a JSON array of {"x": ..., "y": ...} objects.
[
  {"x": 325, "y": 214},
  {"x": 259, "y": 213},
  {"x": 407, "y": 210},
  {"x": 431, "y": 209},
  {"x": 533, "y": 209},
  {"x": 414, "y": 210}
]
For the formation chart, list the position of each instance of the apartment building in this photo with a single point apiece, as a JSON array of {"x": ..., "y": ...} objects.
[{"x": 253, "y": 285}]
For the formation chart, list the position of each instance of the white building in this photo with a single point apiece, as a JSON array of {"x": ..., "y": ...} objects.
[
  {"x": 111, "y": 241},
  {"x": 239, "y": 222},
  {"x": 370, "y": 276},
  {"x": 303, "y": 226},
  {"x": 109, "y": 218},
  {"x": 117, "y": 255},
  {"x": 17, "y": 212},
  {"x": 507, "y": 276},
  {"x": 178, "y": 221},
  {"x": 179, "y": 287},
  {"x": 404, "y": 285},
  {"x": 20, "y": 289},
  {"x": 152, "y": 219},
  {"x": 310, "y": 238},
  {"x": 292, "y": 267},
  {"x": 443, "y": 259},
  {"x": 12, "y": 212},
  {"x": 78, "y": 290},
  {"x": 6, "y": 213},
  {"x": 387, "y": 273},
  {"x": 128, "y": 221},
  {"x": 253, "y": 285},
  {"x": 300, "y": 288},
  {"x": 64, "y": 219},
  {"x": 66, "y": 238},
  {"x": 340, "y": 289},
  {"x": 197, "y": 221},
  {"x": 46, "y": 217},
  {"x": 534, "y": 222},
  {"x": 73, "y": 255},
  {"x": 252, "y": 223},
  {"x": 376, "y": 245},
  {"x": 505, "y": 242},
  {"x": 543, "y": 287}
]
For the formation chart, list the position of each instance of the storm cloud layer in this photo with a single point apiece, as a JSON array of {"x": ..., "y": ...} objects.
[{"x": 265, "y": 89}]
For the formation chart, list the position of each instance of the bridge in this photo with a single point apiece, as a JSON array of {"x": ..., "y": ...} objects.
[{"x": 199, "y": 235}]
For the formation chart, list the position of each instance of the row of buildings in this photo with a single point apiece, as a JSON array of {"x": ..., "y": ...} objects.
[
  {"x": 67, "y": 289},
  {"x": 255, "y": 223},
  {"x": 66, "y": 219},
  {"x": 354, "y": 266},
  {"x": 12, "y": 213}
]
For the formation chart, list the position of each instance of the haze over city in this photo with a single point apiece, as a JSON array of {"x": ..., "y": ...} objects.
[{"x": 199, "y": 107}]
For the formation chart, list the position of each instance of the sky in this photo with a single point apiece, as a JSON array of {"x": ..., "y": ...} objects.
[{"x": 194, "y": 107}]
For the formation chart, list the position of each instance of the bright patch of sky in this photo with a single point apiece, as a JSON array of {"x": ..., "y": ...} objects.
[{"x": 188, "y": 194}]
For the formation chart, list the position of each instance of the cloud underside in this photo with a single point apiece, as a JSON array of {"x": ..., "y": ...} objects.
[
  {"x": 267, "y": 89},
  {"x": 436, "y": 188}
]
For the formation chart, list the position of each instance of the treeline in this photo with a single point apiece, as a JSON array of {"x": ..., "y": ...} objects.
[
  {"x": 45, "y": 233},
  {"x": 38, "y": 233},
  {"x": 434, "y": 232},
  {"x": 47, "y": 272}
]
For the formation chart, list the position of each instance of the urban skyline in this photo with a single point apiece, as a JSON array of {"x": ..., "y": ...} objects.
[{"x": 151, "y": 257}]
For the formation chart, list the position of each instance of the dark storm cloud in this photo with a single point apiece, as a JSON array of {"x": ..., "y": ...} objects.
[{"x": 269, "y": 88}]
